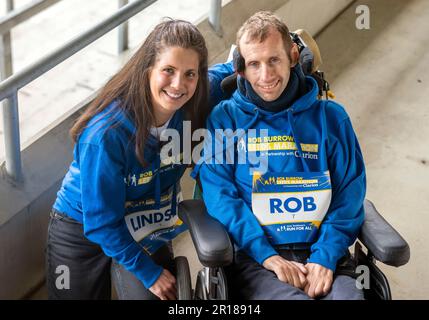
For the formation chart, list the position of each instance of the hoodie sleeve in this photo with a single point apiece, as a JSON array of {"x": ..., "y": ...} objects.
[
  {"x": 223, "y": 202},
  {"x": 217, "y": 73},
  {"x": 345, "y": 216},
  {"x": 103, "y": 205}
]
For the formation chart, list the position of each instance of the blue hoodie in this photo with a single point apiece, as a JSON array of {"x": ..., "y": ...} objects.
[
  {"x": 227, "y": 188},
  {"x": 105, "y": 182}
]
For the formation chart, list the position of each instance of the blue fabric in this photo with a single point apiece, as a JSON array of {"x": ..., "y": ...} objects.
[
  {"x": 217, "y": 73},
  {"x": 309, "y": 121}
]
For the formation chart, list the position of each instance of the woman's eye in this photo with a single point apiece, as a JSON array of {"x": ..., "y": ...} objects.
[
  {"x": 191, "y": 75},
  {"x": 169, "y": 70}
]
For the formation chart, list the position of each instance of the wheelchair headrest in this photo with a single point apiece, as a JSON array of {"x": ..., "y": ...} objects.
[{"x": 303, "y": 39}]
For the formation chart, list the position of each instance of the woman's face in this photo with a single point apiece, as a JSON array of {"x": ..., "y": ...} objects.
[{"x": 173, "y": 80}]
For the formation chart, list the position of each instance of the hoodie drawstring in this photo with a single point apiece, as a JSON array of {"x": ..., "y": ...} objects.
[
  {"x": 158, "y": 188},
  {"x": 174, "y": 201},
  {"x": 254, "y": 119},
  {"x": 157, "y": 182},
  {"x": 295, "y": 138},
  {"x": 206, "y": 158}
]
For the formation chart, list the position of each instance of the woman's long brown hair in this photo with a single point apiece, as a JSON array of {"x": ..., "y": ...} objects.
[{"x": 131, "y": 84}]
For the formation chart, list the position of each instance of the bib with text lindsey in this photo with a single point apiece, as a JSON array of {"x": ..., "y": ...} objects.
[
  {"x": 290, "y": 207},
  {"x": 153, "y": 227}
]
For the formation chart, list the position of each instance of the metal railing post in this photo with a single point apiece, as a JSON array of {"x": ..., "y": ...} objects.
[
  {"x": 10, "y": 86},
  {"x": 123, "y": 31},
  {"x": 10, "y": 109},
  {"x": 46, "y": 63},
  {"x": 9, "y": 5},
  {"x": 6, "y": 49},
  {"x": 11, "y": 137},
  {"x": 215, "y": 16}
]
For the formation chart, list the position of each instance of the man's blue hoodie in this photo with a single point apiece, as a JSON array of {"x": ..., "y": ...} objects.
[{"x": 227, "y": 188}]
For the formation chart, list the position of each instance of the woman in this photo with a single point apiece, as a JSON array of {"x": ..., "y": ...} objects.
[{"x": 118, "y": 200}]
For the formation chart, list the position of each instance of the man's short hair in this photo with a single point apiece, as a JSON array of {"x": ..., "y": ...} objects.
[{"x": 259, "y": 26}]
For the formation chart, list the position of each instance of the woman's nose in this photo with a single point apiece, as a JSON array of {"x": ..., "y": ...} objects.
[{"x": 176, "y": 82}]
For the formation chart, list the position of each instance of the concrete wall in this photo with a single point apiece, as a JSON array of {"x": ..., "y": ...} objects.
[{"x": 24, "y": 208}]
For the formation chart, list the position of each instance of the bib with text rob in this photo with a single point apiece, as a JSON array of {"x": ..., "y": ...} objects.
[{"x": 290, "y": 207}]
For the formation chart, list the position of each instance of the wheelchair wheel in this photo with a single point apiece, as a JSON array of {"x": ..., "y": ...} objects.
[
  {"x": 183, "y": 278},
  {"x": 200, "y": 288},
  {"x": 211, "y": 285}
]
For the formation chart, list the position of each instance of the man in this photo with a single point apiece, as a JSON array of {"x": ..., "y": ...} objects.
[{"x": 293, "y": 221}]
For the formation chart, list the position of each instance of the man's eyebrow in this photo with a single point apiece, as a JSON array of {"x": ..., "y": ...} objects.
[
  {"x": 250, "y": 60},
  {"x": 257, "y": 60}
]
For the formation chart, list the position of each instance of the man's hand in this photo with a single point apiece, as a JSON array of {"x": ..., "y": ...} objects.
[
  {"x": 319, "y": 280},
  {"x": 290, "y": 272},
  {"x": 165, "y": 287}
]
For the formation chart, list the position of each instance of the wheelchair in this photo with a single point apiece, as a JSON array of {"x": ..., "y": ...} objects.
[
  {"x": 377, "y": 241},
  {"x": 215, "y": 251}
]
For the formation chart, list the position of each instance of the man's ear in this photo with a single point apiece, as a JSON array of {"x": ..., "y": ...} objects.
[
  {"x": 239, "y": 63},
  {"x": 294, "y": 55}
]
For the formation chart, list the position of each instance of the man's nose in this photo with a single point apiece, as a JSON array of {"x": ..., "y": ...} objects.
[{"x": 266, "y": 72}]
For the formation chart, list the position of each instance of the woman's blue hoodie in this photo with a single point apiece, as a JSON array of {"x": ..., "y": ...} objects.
[
  {"x": 104, "y": 177},
  {"x": 105, "y": 180},
  {"x": 227, "y": 188}
]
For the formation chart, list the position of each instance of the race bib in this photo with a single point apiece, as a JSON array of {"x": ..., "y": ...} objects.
[
  {"x": 151, "y": 227},
  {"x": 290, "y": 207}
]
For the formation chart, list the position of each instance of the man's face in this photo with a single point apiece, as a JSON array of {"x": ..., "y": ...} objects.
[{"x": 267, "y": 65}]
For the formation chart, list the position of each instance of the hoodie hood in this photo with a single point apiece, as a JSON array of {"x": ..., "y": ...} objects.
[
  {"x": 255, "y": 113},
  {"x": 301, "y": 104},
  {"x": 296, "y": 87}
]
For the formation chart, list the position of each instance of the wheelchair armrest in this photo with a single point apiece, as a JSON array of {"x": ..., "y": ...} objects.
[
  {"x": 211, "y": 240},
  {"x": 381, "y": 239}
]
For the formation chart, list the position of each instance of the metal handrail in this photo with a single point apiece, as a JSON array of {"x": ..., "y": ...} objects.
[
  {"x": 10, "y": 86},
  {"x": 22, "y": 78},
  {"x": 17, "y": 16}
]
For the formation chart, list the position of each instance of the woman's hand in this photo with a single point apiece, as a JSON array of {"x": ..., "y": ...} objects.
[
  {"x": 165, "y": 287},
  {"x": 291, "y": 272}
]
